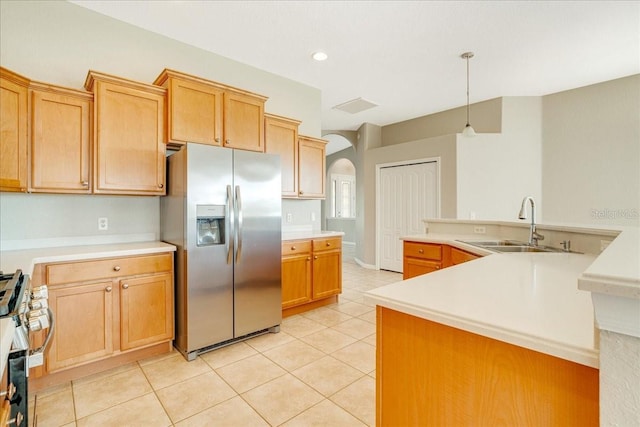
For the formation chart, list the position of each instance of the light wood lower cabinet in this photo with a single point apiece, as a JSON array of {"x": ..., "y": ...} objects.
[
  {"x": 107, "y": 307},
  {"x": 311, "y": 273},
  {"x": 422, "y": 258},
  {"x": 429, "y": 374}
]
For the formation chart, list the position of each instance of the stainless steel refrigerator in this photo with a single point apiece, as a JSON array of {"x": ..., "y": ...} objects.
[{"x": 223, "y": 213}]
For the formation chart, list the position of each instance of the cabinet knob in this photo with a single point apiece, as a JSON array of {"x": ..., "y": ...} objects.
[
  {"x": 85, "y": 183},
  {"x": 160, "y": 185},
  {"x": 227, "y": 141},
  {"x": 116, "y": 268},
  {"x": 217, "y": 139},
  {"x": 437, "y": 267},
  {"x": 421, "y": 251},
  {"x": 301, "y": 192},
  {"x": 108, "y": 289},
  {"x": 315, "y": 257},
  {"x": 293, "y": 248},
  {"x": 308, "y": 258},
  {"x": 328, "y": 244},
  {"x": 125, "y": 286}
]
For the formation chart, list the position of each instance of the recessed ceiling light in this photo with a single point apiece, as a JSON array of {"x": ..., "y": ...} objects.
[{"x": 319, "y": 56}]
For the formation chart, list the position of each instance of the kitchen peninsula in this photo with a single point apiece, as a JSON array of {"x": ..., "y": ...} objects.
[{"x": 504, "y": 339}]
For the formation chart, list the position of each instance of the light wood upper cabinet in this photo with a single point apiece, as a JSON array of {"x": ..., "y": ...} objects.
[
  {"x": 194, "y": 111},
  {"x": 203, "y": 111},
  {"x": 60, "y": 139},
  {"x": 311, "y": 172},
  {"x": 129, "y": 152},
  {"x": 13, "y": 131},
  {"x": 281, "y": 137}
]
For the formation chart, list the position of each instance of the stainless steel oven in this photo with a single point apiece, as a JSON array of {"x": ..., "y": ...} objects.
[{"x": 23, "y": 310}]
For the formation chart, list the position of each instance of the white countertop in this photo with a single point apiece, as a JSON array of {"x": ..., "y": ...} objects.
[
  {"x": 26, "y": 259},
  {"x": 526, "y": 299},
  {"x": 301, "y": 235}
]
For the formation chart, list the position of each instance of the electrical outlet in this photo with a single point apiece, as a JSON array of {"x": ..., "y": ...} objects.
[
  {"x": 103, "y": 224},
  {"x": 289, "y": 217},
  {"x": 604, "y": 244},
  {"x": 479, "y": 230}
]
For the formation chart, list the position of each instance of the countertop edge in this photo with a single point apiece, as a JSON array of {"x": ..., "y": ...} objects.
[{"x": 552, "y": 348}]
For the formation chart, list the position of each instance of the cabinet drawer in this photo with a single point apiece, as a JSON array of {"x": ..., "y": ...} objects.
[
  {"x": 423, "y": 250},
  {"x": 294, "y": 247},
  {"x": 327, "y": 244},
  {"x": 107, "y": 268}
]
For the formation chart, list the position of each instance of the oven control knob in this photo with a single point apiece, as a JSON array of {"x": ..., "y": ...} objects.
[
  {"x": 38, "y": 323},
  {"x": 38, "y": 304},
  {"x": 41, "y": 292}
]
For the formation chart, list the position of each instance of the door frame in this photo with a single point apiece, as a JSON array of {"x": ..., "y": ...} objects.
[{"x": 379, "y": 167}]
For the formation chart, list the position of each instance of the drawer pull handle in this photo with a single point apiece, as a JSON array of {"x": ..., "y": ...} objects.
[
  {"x": 421, "y": 251},
  {"x": 293, "y": 248},
  {"x": 125, "y": 286},
  {"x": 116, "y": 268},
  {"x": 108, "y": 289}
]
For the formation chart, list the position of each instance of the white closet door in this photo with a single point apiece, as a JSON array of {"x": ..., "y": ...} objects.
[{"x": 408, "y": 194}]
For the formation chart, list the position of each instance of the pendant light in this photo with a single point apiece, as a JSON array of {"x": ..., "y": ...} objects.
[{"x": 468, "y": 130}]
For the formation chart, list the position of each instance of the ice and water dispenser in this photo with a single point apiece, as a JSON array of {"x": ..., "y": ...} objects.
[{"x": 210, "y": 225}]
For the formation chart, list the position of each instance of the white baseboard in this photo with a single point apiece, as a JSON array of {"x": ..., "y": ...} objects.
[{"x": 364, "y": 265}]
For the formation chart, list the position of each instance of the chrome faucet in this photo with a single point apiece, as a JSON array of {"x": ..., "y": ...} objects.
[{"x": 534, "y": 236}]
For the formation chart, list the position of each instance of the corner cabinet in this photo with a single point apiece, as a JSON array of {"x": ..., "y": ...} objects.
[
  {"x": 13, "y": 131},
  {"x": 311, "y": 169},
  {"x": 60, "y": 139},
  {"x": 422, "y": 258},
  {"x": 106, "y": 308},
  {"x": 311, "y": 273},
  {"x": 129, "y": 149},
  {"x": 207, "y": 112}
]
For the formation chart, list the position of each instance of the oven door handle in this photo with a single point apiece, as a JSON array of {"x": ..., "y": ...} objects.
[{"x": 36, "y": 357}]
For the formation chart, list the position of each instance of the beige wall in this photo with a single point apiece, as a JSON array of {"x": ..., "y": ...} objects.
[
  {"x": 591, "y": 154},
  {"x": 58, "y": 42},
  {"x": 485, "y": 117}
]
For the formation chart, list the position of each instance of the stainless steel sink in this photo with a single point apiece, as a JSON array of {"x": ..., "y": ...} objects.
[
  {"x": 509, "y": 246},
  {"x": 521, "y": 249}
]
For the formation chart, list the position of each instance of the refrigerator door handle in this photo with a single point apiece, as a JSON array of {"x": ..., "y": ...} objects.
[
  {"x": 230, "y": 215},
  {"x": 239, "y": 226}
]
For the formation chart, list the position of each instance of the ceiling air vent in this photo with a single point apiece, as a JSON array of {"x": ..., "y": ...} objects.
[{"x": 355, "y": 105}]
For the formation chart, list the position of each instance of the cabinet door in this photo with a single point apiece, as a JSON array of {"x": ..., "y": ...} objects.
[
  {"x": 60, "y": 137},
  {"x": 296, "y": 280},
  {"x": 195, "y": 112},
  {"x": 13, "y": 136},
  {"x": 84, "y": 319},
  {"x": 311, "y": 172},
  {"x": 415, "y": 267},
  {"x": 327, "y": 273},
  {"x": 129, "y": 152},
  {"x": 281, "y": 137},
  {"x": 459, "y": 256},
  {"x": 146, "y": 310},
  {"x": 243, "y": 122}
]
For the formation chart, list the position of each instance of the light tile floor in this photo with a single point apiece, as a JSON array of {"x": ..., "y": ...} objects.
[{"x": 319, "y": 370}]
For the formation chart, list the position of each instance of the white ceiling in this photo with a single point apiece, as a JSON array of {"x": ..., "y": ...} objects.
[{"x": 404, "y": 56}]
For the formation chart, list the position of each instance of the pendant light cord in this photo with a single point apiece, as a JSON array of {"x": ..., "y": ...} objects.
[{"x": 467, "y": 57}]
